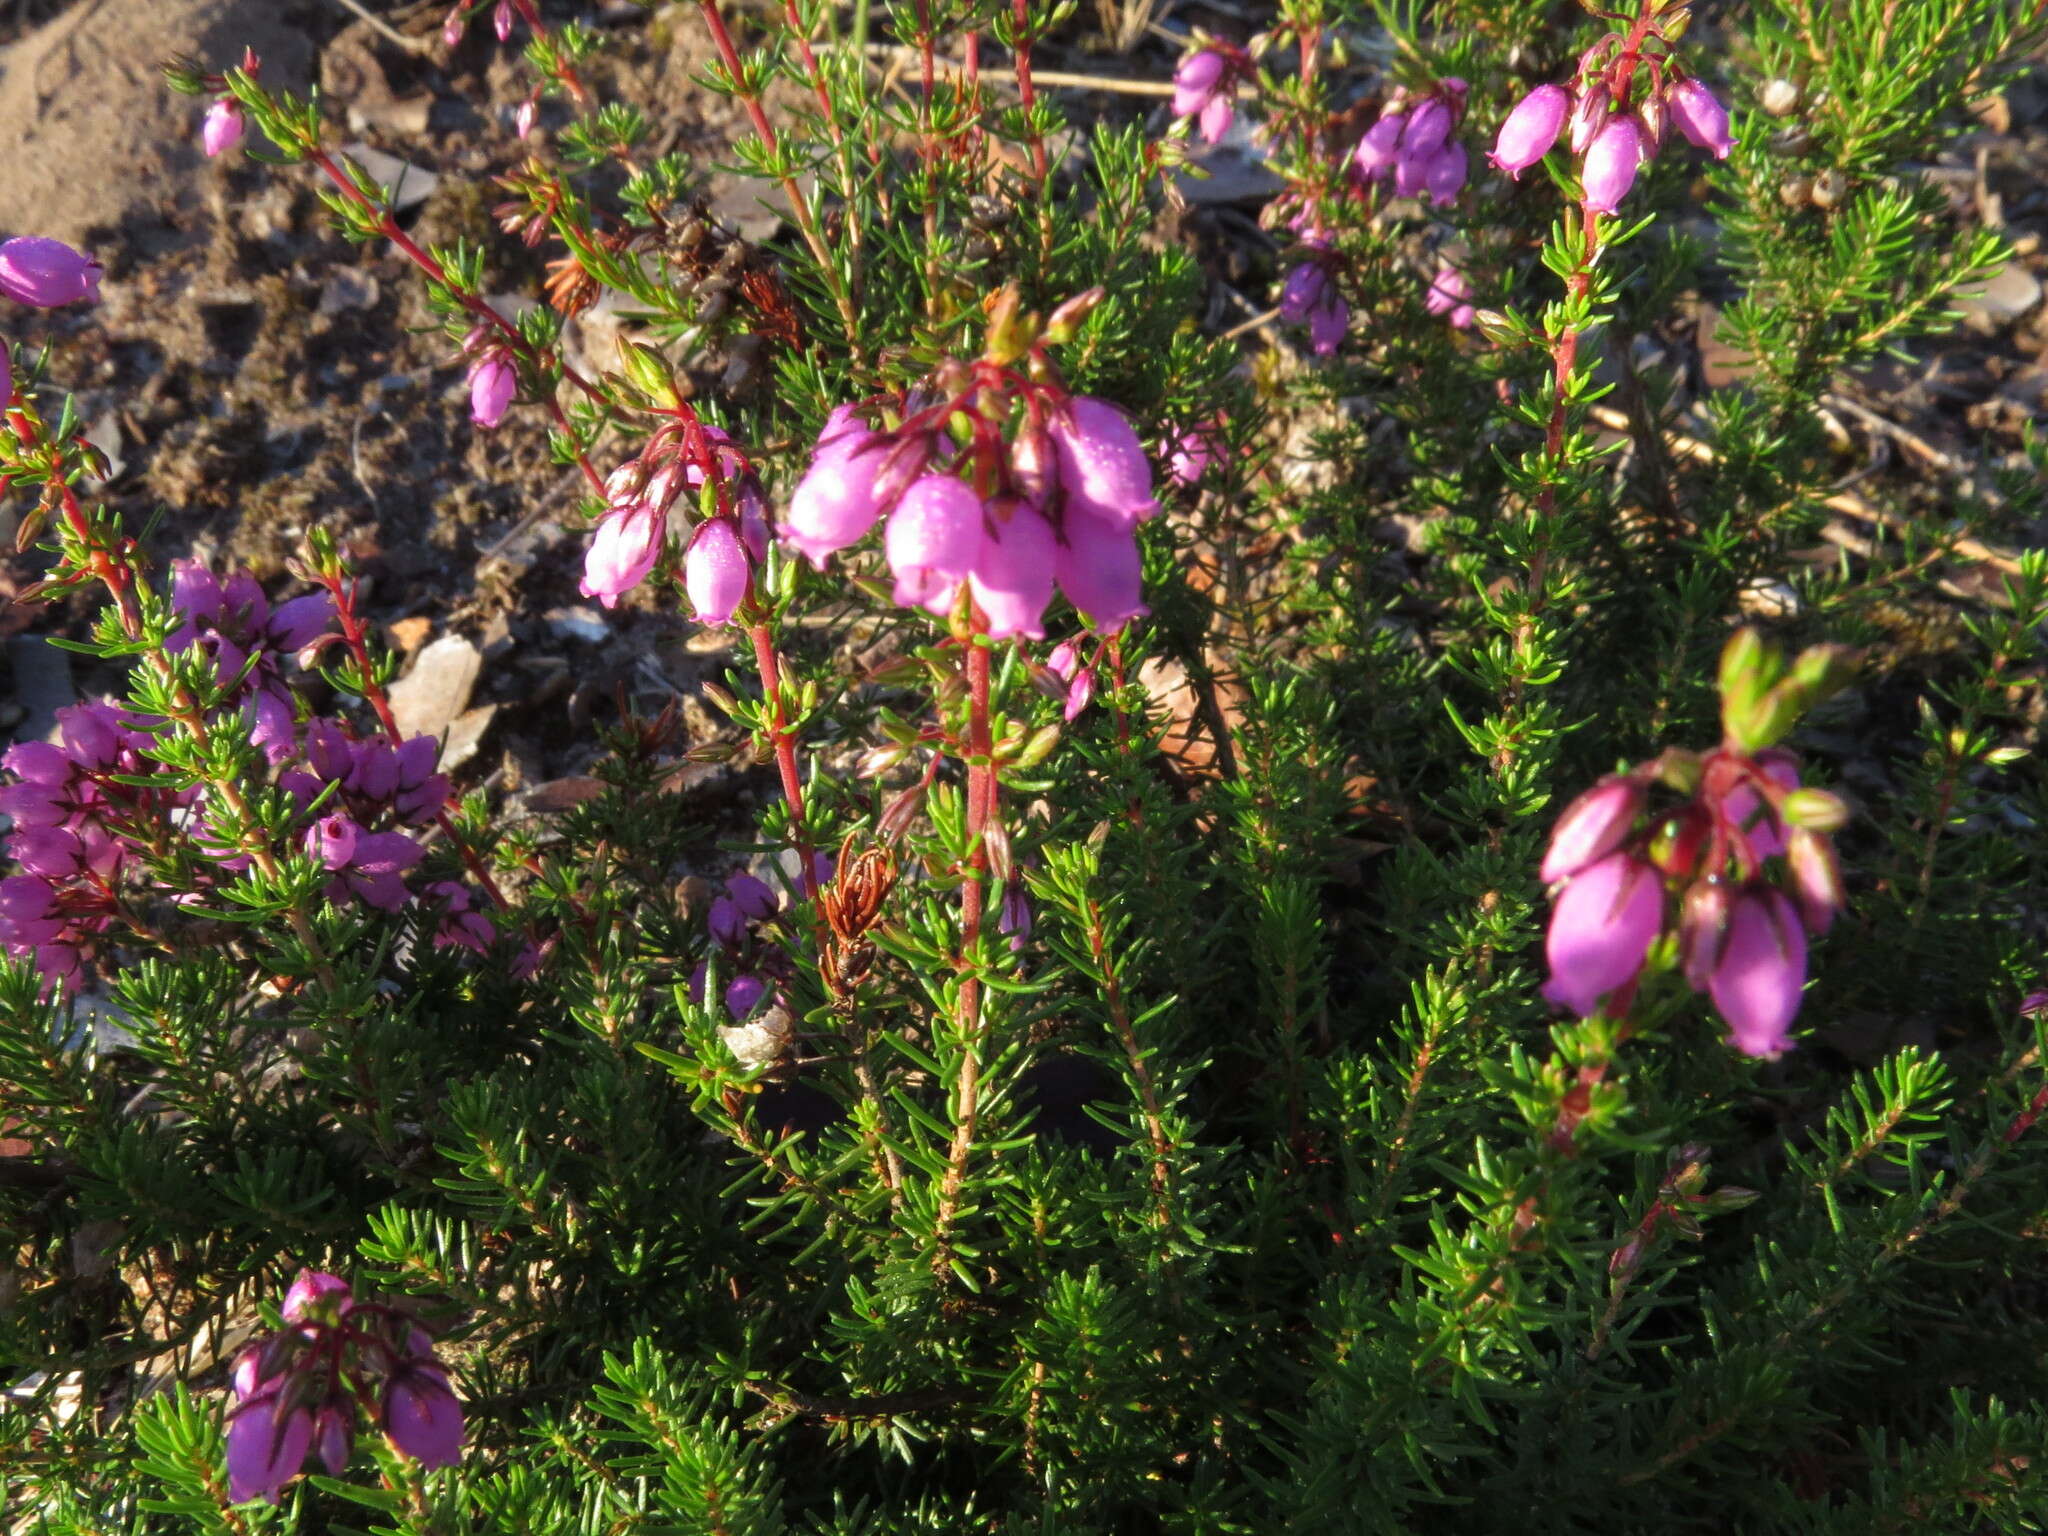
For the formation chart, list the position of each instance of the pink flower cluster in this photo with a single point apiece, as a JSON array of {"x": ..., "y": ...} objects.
[
  {"x": 1412, "y": 145},
  {"x": 301, "y": 1390},
  {"x": 1310, "y": 295},
  {"x": 1746, "y": 862},
  {"x": 719, "y": 560},
  {"x": 1615, "y": 135},
  {"x": 71, "y": 815},
  {"x": 755, "y": 965},
  {"x": 1203, "y": 86},
  {"x": 364, "y": 783},
  {"x": 1449, "y": 296},
  {"x": 995, "y": 524},
  {"x": 248, "y": 641}
]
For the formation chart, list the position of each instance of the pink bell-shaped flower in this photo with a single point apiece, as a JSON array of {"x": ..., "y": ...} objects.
[
  {"x": 1760, "y": 972},
  {"x": 1592, "y": 826},
  {"x": 837, "y": 501},
  {"x": 1530, "y": 130},
  {"x": 1601, "y": 927},
  {"x": 1327, "y": 323},
  {"x": 1103, "y": 467},
  {"x": 1195, "y": 81},
  {"x": 1443, "y": 175},
  {"x": 1700, "y": 116},
  {"x": 1100, "y": 570},
  {"x": 44, "y": 273},
  {"x": 492, "y": 384},
  {"x": 222, "y": 128},
  {"x": 629, "y": 540},
  {"x": 715, "y": 571},
  {"x": 1373, "y": 160},
  {"x": 1612, "y": 160},
  {"x": 422, "y": 1416},
  {"x": 1428, "y": 126},
  {"x": 314, "y": 1291},
  {"x": 933, "y": 539},
  {"x": 1012, "y": 578},
  {"x": 267, "y": 1445}
]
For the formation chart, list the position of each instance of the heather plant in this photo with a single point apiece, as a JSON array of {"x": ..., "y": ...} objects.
[{"x": 1222, "y": 1024}]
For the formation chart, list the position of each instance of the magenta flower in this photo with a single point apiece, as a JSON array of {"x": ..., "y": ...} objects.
[
  {"x": 1012, "y": 577},
  {"x": 1201, "y": 89},
  {"x": 1428, "y": 126},
  {"x": 1305, "y": 288},
  {"x": 523, "y": 119},
  {"x": 1191, "y": 454},
  {"x": 1531, "y": 129},
  {"x": 501, "y": 20},
  {"x": 837, "y": 501},
  {"x": 1592, "y": 826},
  {"x": 44, "y": 274},
  {"x": 1373, "y": 160},
  {"x": 1443, "y": 175},
  {"x": 492, "y": 384},
  {"x": 1612, "y": 160},
  {"x": 422, "y": 1416},
  {"x": 715, "y": 571},
  {"x": 451, "y": 27},
  {"x": 1102, "y": 466},
  {"x": 333, "y": 841},
  {"x": 933, "y": 539},
  {"x": 1447, "y": 291},
  {"x": 1760, "y": 972},
  {"x": 629, "y": 540},
  {"x": 316, "y": 1292},
  {"x": 1100, "y": 571},
  {"x": 1601, "y": 927},
  {"x": 222, "y": 128},
  {"x": 1327, "y": 323},
  {"x": 267, "y": 1445},
  {"x": 1700, "y": 117}
]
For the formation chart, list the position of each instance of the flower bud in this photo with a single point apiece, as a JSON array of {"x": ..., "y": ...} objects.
[
  {"x": 1816, "y": 879},
  {"x": 44, "y": 273},
  {"x": 715, "y": 571},
  {"x": 1589, "y": 116},
  {"x": 1757, "y": 981},
  {"x": 523, "y": 119},
  {"x": 1748, "y": 667},
  {"x": 451, "y": 27},
  {"x": 492, "y": 384},
  {"x": 1592, "y": 826},
  {"x": 1702, "y": 924},
  {"x": 1814, "y": 809},
  {"x": 1531, "y": 129},
  {"x": 1612, "y": 160},
  {"x": 1698, "y": 114},
  {"x": 629, "y": 541},
  {"x": 1067, "y": 316},
  {"x": 1601, "y": 927},
  {"x": 501, "y": 20},
  {"x": 222, "y": 127}
]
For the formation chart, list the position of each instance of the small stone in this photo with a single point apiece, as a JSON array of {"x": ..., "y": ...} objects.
[
  {"x": 426, "y": 701},
  {"x": 404, "y": 183},
  {"x": 465, "y": 734},
  {"x": 346, "y": 290},
  {"x": 579, "y": 623},
  {"x": 409, "y": 634},
  {"x": 2009, "y": 297}
]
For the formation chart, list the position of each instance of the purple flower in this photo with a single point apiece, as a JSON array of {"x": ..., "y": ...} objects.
[
  {"x": 1102, "y": 466},
  {"x": 222, "y": 128},
  {"x": 38, "y": 762},
  {"x": 1100, "y": 570},
  {"x": 375, "y": 872},
  {"x": 1760, "y": 971},
  {"x": 715, "y": 571},
  {"x": 55, "y": 853},
  {"x": 1428, "y": 126},
  {"x": 1304, "y": 289},
  {"x": 1443, "y": 175},
  {"x": 44, "y": 273},
  {"x": 1612, "y": 160},
  {"x": 629, "y": 540},
  {"x": 1531, "y": 129},
  {"x": 422, "y": 1416},
  {"x": 1012, "y": 577},
  {"x": 492, "y": 384},
  {"x": 316, "y": 1293},
  {"x": 1446, "y": 291},
  {"x": 333, "y": 841},
  {"x": 1327, "y": 323},
  {"x": 1601, "y": 927},
  {"x": 1373, "y": 160},
  {"x": 1592, "y": 826},
  {"x": 837, "y": 501},
  {"x": 1701, "y": 117},
  {"x": 933, "y": 540},
  {"x": 267, "y": 1445},
  {"x": 1013, "y": 919},
  {"x": 743, "y": 995},
  {"x": 1201, "y": 89},
  {"x": 1191, "y": 454}
]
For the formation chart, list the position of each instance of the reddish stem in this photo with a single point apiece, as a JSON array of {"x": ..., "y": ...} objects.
[
  {"x": 1027, "y": 93},
  {"x": 563, "y": 72},
  {"x": 784, "y": 741}
]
